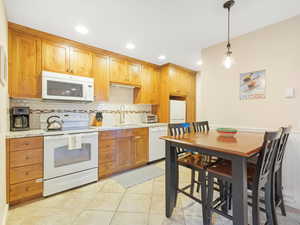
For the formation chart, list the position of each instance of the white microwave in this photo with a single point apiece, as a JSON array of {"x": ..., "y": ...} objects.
[{"x": 58, "y": 86}]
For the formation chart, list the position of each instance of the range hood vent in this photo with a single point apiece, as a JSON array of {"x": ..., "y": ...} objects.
[{"x": 122, "y": 86}]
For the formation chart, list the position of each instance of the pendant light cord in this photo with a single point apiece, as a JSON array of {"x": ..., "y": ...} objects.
[{"x": 228, "y": 38}]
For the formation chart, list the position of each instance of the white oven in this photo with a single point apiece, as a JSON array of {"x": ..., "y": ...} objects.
[
  {"x": 60, "y": 86},
  {"x": 67, "y": 165}
]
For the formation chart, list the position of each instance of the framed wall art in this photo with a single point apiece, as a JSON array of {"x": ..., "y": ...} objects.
[{"x": 253, "y": 85}]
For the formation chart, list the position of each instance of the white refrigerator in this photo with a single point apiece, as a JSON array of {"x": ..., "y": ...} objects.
[{"x": 177, "y": 111}]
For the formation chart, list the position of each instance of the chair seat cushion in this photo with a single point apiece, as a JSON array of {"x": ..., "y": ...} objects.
[
  {"x": 224, "y": 168},
  {"x": 196, "y": 161}
]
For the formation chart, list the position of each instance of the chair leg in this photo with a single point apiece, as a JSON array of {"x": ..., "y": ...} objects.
[
  {"x": 210, "y": 195},
  {"x": 193, "y": 182},
  {"x": 270, "y": 207},
  {"x": 203, "y": 196},
  {"x": 255, "y": 206},
  {"x": 279, "y": 194},
  {"x": 199, "y": 180}
]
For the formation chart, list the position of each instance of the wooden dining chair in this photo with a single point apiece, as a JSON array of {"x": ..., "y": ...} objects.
[
  {"x": 201, "y": 126},
  {"x": 277, "y": 170},
  {"x": 195, "y": 162},
  {"x": 259, "y": 178}
]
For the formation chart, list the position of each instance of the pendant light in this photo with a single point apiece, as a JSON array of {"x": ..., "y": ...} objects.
[{"x": 228, "y": 59}]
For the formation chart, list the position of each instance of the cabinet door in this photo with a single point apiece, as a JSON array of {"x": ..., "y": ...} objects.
[
  {"x": 124, "y": 153},
  {"x": 134, "y": 73},
  {"x": 101, "y": 77},
  {"x": 140, "y": 150},
  {"x": 80, "y": 62},
  {"x": 55, "y": 57},
  {"x": 154, "y": 93},
  {"x": 118, "y": 70},
  {"x": 24, "y": 66}
]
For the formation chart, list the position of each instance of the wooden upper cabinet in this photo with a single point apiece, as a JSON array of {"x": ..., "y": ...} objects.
[
  {"x": 101, "y": 77},
  {"x": 155, "y": 86},
  {"x": 80, "y": 62},
  {"x": 118, "y": 70},
  {"x": 55, "y": 57},
  {"x": 24, "y": 66},
  {"x": 134, "y": 73}
]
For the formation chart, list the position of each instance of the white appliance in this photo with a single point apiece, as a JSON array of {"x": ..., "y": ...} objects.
[
  {"x": 177, "y": 111},
  {"x": 156, "y": 145},
  {"x": 67, "y": 87},
  {"x": 70, "y": 159}
]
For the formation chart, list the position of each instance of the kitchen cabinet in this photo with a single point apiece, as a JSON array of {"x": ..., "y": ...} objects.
[
  {"x": 65, "y": 59},
  {"x": 118, "y": 70},
  {"x": 180, "y": 83},
  {"x": 125, "y": 72},
  {"x": 80, "y": 62},
  {"x": 24, "y": 66},
  {"x": 134, "y": 73},
  {"x": 122, "y": 150},
  {"x": 148, "y": 93},
  {"x": 24, "y": 169},
  {"x": 101, "y": 77},
  {"x": 56, "y": 57}
]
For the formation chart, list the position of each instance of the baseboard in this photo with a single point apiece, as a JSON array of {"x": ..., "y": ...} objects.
[{"x": 5, "y": 212}]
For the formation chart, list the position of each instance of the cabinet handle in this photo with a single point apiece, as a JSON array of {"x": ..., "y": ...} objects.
[
  {"x": 27, "y": 173},
  {"x": 137, "y": 137},
  {"x": 27, "y": 189},
  {"x": 27, "y": 157}
]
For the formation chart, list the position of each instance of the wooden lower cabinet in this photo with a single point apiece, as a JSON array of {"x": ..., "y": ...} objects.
[
  {"x": 24, "y": 169},
  {"x": 122, "y": 150}
]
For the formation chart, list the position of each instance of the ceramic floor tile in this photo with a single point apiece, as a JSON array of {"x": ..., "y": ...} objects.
[
  {"x": 158, "y": 204},
  {"x": 190, "y": 207},
  {"x": 193, "y": 220},
  {"x": 160, "y": 179},
  {"x": 122, "y": 218},
  {"x": 106, "y": 201},
  {"x": 135, "y": 203},
  {"x": 158, "y": 188},
  {"x": 94, "y": 217},
  {"x": 160, "y": 219},
  {"x": 144, "y": 188},
  {"x": 112, "y": 186}
]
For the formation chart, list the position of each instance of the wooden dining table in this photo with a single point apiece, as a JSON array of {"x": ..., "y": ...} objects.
[{"x": 238, "y": 149}]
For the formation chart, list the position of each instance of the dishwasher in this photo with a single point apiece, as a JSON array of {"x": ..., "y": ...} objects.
[{"x": 156, "y": 145}]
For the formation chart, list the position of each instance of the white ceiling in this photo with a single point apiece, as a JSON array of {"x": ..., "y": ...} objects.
[{"x": 175, "y": 28}]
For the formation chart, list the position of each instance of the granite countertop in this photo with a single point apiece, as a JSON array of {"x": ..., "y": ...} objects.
[{"x": 40, "y": 132}]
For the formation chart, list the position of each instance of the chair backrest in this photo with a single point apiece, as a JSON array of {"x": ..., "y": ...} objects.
[
  {"x": 201, "y": 126},
  {"x": 282, "y": 147},
  {"x": 177, "y": 129},
  {"x": 266, "y": 158}
]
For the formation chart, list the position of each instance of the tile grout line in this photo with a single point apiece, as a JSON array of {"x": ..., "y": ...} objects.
[{"x": 116, "y": 210}]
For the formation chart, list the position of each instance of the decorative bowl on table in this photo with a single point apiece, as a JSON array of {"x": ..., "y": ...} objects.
[{"x": 227, "y": 132}]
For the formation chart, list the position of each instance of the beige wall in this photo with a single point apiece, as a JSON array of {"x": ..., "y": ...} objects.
[
  {"x": 3, "y": 115},
  {"x": 275, "y": 48}
]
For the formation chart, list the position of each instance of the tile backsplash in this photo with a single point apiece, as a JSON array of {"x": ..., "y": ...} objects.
[{"x": 111, "y": 111}]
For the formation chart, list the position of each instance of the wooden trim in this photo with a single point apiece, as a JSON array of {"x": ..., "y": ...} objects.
[
  {"x": 7, "y": 169},
  {"x": 76, "y": 44},
  {"x": 180, "y": 67}
]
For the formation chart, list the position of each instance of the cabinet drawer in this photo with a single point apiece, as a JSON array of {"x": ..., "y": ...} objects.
[
  {"x": 20, "y": 144},
  {"x": 25, "y": 158},
  {"x": 25, "y": 190},
  {"x": 108, "y": 134},
  {"x": 107, "y": 168},
  {"x": 106, "y": 156},
  {"x": 140, "y": 132},
  {"x": 126, "y": 133},
  {"x": 108, "y": 143},
  {"x": 26, "y": 173}
]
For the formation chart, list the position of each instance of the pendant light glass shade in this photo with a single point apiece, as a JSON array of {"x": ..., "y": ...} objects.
[{"x": 228, "y": 61}]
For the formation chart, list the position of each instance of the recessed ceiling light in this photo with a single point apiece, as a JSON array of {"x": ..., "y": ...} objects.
[
  {"x": 162, "y": 57},
  {"x": 130, "y": 46},
  {"x": 199, "y": 63},
  {"x": 81, "y": 29}
]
